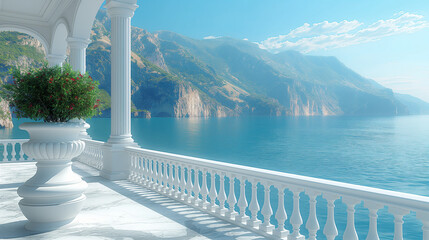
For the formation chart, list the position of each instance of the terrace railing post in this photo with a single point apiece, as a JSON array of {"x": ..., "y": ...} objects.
[{"x": 116, "y": 161}]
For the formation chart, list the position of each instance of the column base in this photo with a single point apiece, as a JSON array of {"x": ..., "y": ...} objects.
[{"x": 116, "y": 162}]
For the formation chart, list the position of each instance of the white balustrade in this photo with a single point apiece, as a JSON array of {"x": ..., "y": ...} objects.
[
  {"x": 93, "y": 154},
  {"x": 182, "y": 174},
  {"x": 11, "y": 151}
]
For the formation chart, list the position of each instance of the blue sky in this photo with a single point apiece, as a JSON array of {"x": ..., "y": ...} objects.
[{"x": 387, "y": 41}]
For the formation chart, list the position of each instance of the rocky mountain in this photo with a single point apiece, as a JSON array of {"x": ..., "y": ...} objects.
[
  {"x": 16, "y": 50},
  {"x": 176, "y": 76}
]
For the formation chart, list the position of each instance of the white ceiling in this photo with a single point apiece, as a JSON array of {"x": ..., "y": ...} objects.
[
  {"x": 50, "y": 21},
  {"x": 45, "y": 12}
]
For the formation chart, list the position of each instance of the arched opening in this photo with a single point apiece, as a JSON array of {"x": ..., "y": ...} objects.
[{"x": 59, "y": 39}]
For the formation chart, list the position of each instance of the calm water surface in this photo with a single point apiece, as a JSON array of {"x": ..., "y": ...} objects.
[{"x": 386, "y": 152}]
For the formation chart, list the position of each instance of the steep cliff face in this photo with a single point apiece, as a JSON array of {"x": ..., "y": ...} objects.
[
  {"x": 16, "y": 50},
  {"x": 190, "y": 104},
  {"x": 5, "y": 115}
]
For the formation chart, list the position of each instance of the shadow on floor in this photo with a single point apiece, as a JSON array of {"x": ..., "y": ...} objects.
[{"x": 194, "y": 219}]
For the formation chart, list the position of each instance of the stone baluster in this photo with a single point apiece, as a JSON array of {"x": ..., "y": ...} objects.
[
  {"x": 189, "y": 185},
  {"x": 21, "y": 153},
  {"x": 254, "y": 206},
  {"x": 176, "y": 181},
  {"x": 267, "y": 211},
  {"x": 373, "y": 209},
  {"x": 5, "y": 152},
  {"x": 242, "y": 202},
  {"x": 232, "y": 200},
  {"x": 13, "y": 153},
  {"x": 350, "y": 232},
  {"x": 213, "y": 193},
  {"x": 398, "y": 213},
  {"x": 222, "y": 195},
  {"x": 164, "y": 177},
  {"x": 281, "y": 215},
  {"x": 204, "y": 190},
  {"x": 312, "y": 224},
  {"x": 158, "y": 174},
  {"x": 330, "y": 230},
  {"x": 154, "y": 174},
  {"x": 170, "y": 179},
  {"x": 296, "y": 219},
  {"x": 130, "y": 176},
  {"x": 140, "y": 174},
  {"x": 182, "y": 183},
  {"x": 140, "y": 170},
  {"x": 146, "y": 171},
  {"x": 424, "y": 217},
  {"x": 196, "y": 189}
]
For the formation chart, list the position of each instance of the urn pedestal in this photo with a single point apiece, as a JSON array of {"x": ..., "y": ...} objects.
[{"x": 53, "y": 197}]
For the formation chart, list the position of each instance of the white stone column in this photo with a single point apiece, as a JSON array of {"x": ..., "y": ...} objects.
[
  {"x": 55, "y": 60},
  {"x": 78, "y": 53},
  {"x": 115, "y": 160},
  {"x": 78, "y": 63}
]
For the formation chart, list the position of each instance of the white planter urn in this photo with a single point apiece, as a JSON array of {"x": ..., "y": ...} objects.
[{"x": 53, "y": 197}]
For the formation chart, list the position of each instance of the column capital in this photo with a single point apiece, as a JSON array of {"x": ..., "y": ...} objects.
[
  {"x": 55, "y": 59},
  {"x": 78, "y": 42},
  {"x": 121, "y": 8}
]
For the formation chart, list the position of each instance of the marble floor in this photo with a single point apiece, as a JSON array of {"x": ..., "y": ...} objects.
[{"x": 113, "y": 210}]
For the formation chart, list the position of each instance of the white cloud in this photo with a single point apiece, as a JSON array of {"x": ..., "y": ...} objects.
[
  {"x": 328, "y": 35},
  {"x": 211, "y": 37}
]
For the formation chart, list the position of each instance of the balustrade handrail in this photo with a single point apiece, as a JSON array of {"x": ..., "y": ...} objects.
[
  {"x": 14, "y": 140},
  {"x": 93, "y": 142},
  {"x": 384, "y": 197}
]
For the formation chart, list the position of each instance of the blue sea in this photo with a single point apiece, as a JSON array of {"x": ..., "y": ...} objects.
[{"x": 383, "y": 152}]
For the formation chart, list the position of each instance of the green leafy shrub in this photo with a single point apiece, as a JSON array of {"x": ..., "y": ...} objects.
[{"x": 52, "y": 94}]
